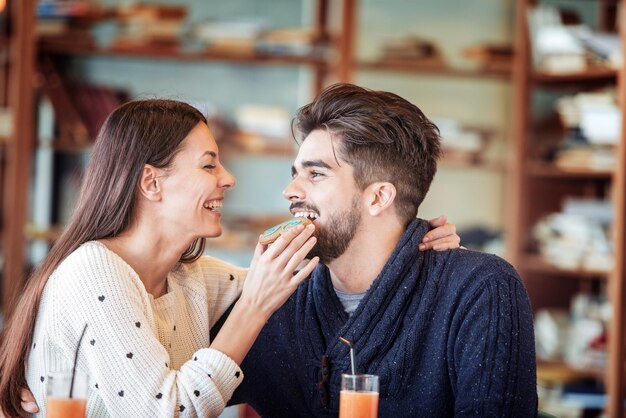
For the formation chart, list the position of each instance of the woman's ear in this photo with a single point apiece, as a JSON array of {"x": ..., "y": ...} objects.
[
  {"x": 149, "y": 183},
  {"x": 381, "y": 196}
]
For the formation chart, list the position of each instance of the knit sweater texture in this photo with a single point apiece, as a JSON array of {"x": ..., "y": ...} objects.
[
  {"x": 448, "y": 333},
  {"x": 145, "y": 357}
]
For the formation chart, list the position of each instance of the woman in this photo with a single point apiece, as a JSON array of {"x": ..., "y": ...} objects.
[{"x": 129, "y": 266}]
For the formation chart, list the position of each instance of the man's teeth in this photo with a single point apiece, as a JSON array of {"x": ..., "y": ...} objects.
[
  {"x": 310, "y": 215},
  {"x": 213, "y": 204}
]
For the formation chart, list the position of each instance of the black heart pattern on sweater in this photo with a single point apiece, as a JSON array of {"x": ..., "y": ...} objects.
[
  {"x": 138, "y": 324},
  {"x": 121, "y": 393},
  {"x": 129, "y": 355},
  {"x": 101, "y": 298}
]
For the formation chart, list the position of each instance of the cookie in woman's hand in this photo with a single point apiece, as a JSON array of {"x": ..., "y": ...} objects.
[{"x": 270, "y": 235}]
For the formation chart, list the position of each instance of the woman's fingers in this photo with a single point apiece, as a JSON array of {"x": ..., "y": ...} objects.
[
  {"x": 28, "y": 402},
  {"x": 441, "y": 238},
  {"x": 305, "y": 271},
  {"x": 441, "y": 231},
  {"x": 258, "y": 251},
  {"x": 438, "y": 221},
  {"x": 297, "y": 258},
  {"x": 287, "y": 244}
]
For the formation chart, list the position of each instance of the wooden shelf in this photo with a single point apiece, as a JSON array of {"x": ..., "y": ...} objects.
[
  {"x": 598, "y": 74},
  {"x": 546, "y": 170},
  {"x": 435, "y": 70},
  {"x": 179, "y": 54},
  {"x": 471, "y": 165},
  {"x": 534, "y": 263},
  {"x": 51, "y": 234},
  {"x": 557, "y": 372}
]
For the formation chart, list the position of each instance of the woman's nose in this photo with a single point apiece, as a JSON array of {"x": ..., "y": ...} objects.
[{"x": 228, "y": 180}]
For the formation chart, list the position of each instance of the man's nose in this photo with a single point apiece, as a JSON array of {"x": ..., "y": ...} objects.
[{"x": 293, "y": 191}]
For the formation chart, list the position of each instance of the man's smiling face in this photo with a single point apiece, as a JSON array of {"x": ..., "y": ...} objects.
[{"x": 323, "y": 189}]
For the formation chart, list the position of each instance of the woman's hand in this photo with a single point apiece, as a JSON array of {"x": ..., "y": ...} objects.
[
  {"x": 271, "y": 278},
  {"x": 269, "y": 283},
  {"x": 29, "y": 404},
  {"x": 442, "y": 237}
]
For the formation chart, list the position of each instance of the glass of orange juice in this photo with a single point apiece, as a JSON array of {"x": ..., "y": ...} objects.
[
  {"x": 359, "y": 396},
  {"x": 58, "y": 403}
]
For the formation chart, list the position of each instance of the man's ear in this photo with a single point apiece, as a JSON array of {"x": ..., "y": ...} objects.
[
  {"x": 380, "y": 196},
  {"x": 149, "y": 185}
]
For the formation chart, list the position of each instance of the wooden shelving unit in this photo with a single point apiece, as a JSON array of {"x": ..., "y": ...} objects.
[
  {"x": 537, "y": 188},
  {"x": 534, "y": 263},
  {"x": 352, "y": 64},
  {"x": 435, "y": 70},
  {"x": 180, "y": 54},
  {"x": 19, "y": 148},
  {"x": 555, "y": 372},
  {"x": 597, "y": 74},
  {"x": 546, "y": 170}
]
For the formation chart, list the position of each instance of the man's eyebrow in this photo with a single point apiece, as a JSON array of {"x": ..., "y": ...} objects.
[
  {"x": 315, "y": 163},
  {"x": 310, "y": 163}
]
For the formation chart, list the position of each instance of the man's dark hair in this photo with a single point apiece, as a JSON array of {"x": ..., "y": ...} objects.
[{"x": 382, "y": 136}]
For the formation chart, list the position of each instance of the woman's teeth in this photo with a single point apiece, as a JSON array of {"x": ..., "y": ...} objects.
[{"x": 213, "y": 204}]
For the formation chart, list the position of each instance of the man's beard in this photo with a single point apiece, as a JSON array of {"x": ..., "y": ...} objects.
[{"x": 335, "y": 236}]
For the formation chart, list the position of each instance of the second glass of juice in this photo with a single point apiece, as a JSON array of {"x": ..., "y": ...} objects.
[
  {"x": 58, "y": 403},
  {"x": 359, "y": 396}
]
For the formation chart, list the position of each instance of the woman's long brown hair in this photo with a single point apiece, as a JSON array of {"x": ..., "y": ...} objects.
[{"x": 137, "y": 133}]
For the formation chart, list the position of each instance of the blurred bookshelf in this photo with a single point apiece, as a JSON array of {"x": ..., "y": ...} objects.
[
  {"x": 178, "y": 53},
  {"x": 17, "y": 99},
  {"x": 418, "y": 68},
  {"x": 594, "y": 74},
  {"x": 546, "y": 170},
  {"x": 554, "y": 372},
  {"x": 534, "y": 263},
  {"x": 542, "y": 183}
]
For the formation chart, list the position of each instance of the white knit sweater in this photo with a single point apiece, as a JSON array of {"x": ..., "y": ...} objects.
[{"x": 145, "y": 357}]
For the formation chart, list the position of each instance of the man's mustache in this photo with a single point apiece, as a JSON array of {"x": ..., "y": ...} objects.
[{"x": 302, "y": 206}]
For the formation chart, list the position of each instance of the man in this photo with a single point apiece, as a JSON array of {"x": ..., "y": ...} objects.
[{"x": 448, "y": 333}]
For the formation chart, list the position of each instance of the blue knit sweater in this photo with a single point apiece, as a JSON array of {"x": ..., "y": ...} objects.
[{"x": 449, "y": 333}]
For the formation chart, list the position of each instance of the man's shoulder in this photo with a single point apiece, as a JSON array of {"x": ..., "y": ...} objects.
[{"x": 477, "y": 267}]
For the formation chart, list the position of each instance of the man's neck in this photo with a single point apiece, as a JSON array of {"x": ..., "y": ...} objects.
[{"x": 356, "y": 269}]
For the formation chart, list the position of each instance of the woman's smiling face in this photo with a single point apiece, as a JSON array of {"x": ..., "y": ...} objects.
[{"x": 193, "y": 187}]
